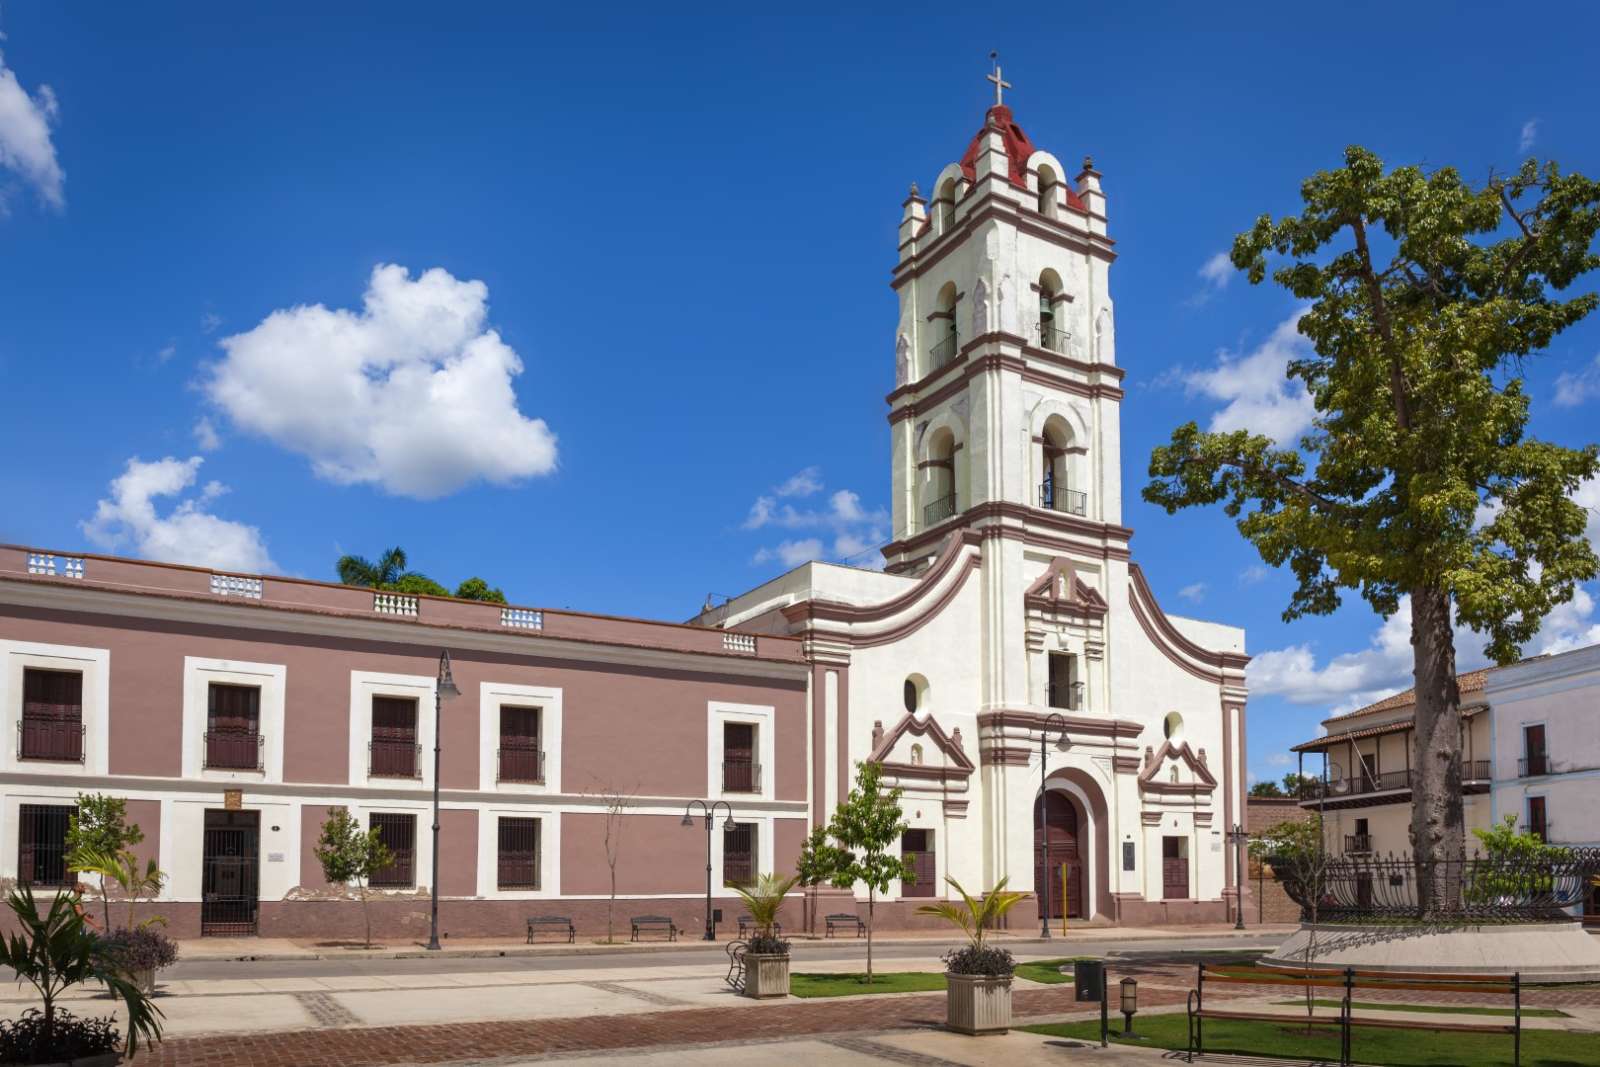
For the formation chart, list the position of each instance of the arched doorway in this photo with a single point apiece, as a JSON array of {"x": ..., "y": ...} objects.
[{"x": 1056, "y": 852}]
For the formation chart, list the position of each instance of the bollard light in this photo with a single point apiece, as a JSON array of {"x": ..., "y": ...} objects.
[{"x": 1130, "y": 1004}]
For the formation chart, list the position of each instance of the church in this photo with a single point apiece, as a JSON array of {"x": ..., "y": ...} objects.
[{"x": 1009, "y": 669}]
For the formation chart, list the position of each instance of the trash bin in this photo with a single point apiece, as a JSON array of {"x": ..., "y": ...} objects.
[{"x": 1089, "y": 978}]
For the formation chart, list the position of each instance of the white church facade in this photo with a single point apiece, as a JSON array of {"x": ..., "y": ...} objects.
[
  {"x": 1009, "y": 669},
  {"x": 1010, "y": 609}
]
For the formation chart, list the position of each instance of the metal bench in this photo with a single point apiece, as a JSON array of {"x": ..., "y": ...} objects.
[
  {"x": 1348, "y": 982},
  {"x": 653, "y": 922},
  {"x": 746, "y": 922},
  {"x": 735, "y": 976},
  {"x": 846, "y": 919},
  {"x": 559, "y": 923}
]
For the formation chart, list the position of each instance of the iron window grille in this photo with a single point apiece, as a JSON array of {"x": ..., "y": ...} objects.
[
  {"x": 518, "y": 866},
  {"x": 399, "y": 835},
  {"x": 42, "y": 845},
  {"x": 739, "y": 854}
]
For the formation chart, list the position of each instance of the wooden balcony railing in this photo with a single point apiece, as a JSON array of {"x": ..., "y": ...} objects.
[
  {"x": 393, "y": 759},
  {"x": 233, "y": 750},
  {"x": 741, "y": 776}
]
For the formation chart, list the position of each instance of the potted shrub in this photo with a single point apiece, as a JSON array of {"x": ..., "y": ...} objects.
[
  {"x": 766, "y": 960},
  {"x": 139, "y": 952},
  {"x": 978, "y": 976},
  {"x": 54, "y": 952}
]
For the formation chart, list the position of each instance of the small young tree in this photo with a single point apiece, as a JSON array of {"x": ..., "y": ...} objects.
[
  {"x": 350, "y": 854},
  {"x": 816, "y": 864},
  {"x": 866, "y": 826},
  {"x": 1299, "y": 858},
  {"x": 98, "y": 832},
  {"x": 617, "y": 801}
]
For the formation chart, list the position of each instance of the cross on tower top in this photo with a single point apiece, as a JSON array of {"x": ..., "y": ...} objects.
[{"x": 1000, "y": 85}]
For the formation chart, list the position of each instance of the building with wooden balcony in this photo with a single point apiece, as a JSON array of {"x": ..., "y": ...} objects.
[{"x": 1530, "y": 749}]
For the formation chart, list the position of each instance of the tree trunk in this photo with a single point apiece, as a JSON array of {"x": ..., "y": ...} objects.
[
  {"x": 1438, "y": 834},
  {"x": 366, "y": 915},
  {"x": 870, "y": 902},
  {"x": 611, "y": 905}
]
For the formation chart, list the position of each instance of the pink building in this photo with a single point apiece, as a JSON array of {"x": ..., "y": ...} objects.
[{"x": 233, "y": 711}]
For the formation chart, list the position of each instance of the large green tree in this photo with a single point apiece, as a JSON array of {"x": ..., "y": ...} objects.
[{"x": 1418, "y": 477}]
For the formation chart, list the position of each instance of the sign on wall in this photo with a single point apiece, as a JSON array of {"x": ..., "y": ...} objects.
[{"x": 1127, "y": 855}]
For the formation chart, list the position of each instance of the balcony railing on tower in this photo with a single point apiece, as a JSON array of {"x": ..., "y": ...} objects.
[
  {"x": 1053, "y": 339},
  {"x": 393, "y": 759},
  {"x": 942, "y": 353},
  {"x": 939, "y": 510},
  {"x": 1059, "y": 498},
  {"x": 233, "y": 750},
  {"x": 741, "y": 776}
]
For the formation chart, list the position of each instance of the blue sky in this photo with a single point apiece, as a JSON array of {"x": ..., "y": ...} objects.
[{"x": 661, "y": 243}]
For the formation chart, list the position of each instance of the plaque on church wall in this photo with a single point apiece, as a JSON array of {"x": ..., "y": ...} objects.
[
  {"x": 232, "y": 799},
  {"x": 1127, "y": 855}
]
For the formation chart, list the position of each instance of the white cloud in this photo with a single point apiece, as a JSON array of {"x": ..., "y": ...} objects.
[
  {"x": 1214, "y": 274},
  {"x": 1530, "y": 134},
  {"x": 25, "y": 145},
  {"x": 209, "y": 321},
  {"x": 205, "y": 435},
  {"x": 1256, "y": 395},
  {"x": 854, "y": 529},
  {"x": 1575, "y": 389},
  {"x": 166, "y": 353},
  {"x": 791, "y": 553},
  {"x": 412, "y": 393},
  {"x": 187, "y": 533},
  {"x": 1253, "y": 574},
  {"x": 1280, "y": 759},
  {"x": 1193, "y": 593},
  {"x": 1587, "y": 496}
]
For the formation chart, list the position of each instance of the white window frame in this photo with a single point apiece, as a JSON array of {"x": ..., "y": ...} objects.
[
  {"x": 492, "y": 696},
  {"x": 764, "y": 717},
  {"x": 489, "y": 853},
  {"x": 270, "y": 678},
  {"x": 364, "y": 685},
  {"x": 95, "y": 666}
]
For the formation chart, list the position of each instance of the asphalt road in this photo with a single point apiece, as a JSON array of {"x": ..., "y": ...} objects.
[{"x": 803, "y": 951}]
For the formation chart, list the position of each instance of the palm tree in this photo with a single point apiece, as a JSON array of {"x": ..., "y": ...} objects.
[
  {"x": 764, "y": 898},
  {"x": 358, "y": 570},
  {"x": 975, "y": 915}
]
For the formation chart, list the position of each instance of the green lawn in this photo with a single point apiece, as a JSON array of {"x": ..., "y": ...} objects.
[
  {"x": 1394, "y": 1048},
  {"x": 1048, "y": 971},
  {"x": 1442, "y": 1009},
  {"x": 848, "y": 985}
]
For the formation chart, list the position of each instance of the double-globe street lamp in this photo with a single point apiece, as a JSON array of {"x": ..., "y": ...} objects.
[
  {"x": 710, "y": 813},
  {"x": 1057, "y": 722},
  {"x": 445, "y": 686}
]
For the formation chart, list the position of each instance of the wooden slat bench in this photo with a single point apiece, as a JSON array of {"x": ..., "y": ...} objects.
[
  {"x": 559, "y": 923},
  {"x": 1348, "y": 983},
  {"x": 848, "y": 920},
  {"x": 653, "y": 922}
]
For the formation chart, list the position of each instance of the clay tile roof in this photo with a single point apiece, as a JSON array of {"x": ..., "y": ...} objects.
[
  {"x": 1018, "y": 149},
  {"x": 1470, "y": 682}
]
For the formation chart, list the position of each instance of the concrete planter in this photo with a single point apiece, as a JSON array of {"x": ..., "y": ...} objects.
[
  {"x": 766, "y": 975},
  {"x": 145, "y": 980},
  {"x": 976, "y": 1004}
]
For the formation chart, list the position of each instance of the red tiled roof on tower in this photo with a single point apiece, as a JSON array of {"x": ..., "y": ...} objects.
[{"x": 1018, "y": 149}]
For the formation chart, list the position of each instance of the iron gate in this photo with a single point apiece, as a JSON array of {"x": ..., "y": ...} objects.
[{"x": 230, "y": 879}]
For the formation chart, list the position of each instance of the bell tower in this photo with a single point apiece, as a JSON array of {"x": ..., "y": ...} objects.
[{"x": 1005, "y": 407}]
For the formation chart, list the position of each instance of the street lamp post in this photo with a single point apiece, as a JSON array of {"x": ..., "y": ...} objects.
[
  {"x": 710, "y": 812},
  {"x": 444, "y": 687},
  {"x": 1237, "y": 838},
  {"x": 1056, "y": 722}
]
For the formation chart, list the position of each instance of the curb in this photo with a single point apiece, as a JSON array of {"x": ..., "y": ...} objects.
[{"x": 1132, "y": 945}]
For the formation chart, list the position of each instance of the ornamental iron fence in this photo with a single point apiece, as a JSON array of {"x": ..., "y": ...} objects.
[{"x": 1494, "y": 889}]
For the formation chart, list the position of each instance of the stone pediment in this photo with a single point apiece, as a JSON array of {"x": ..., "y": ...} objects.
[
  {"x": 1059, "y": 590},
  {"x": 943, "y": 756},
  {"x": 1192, "y": 778}
]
